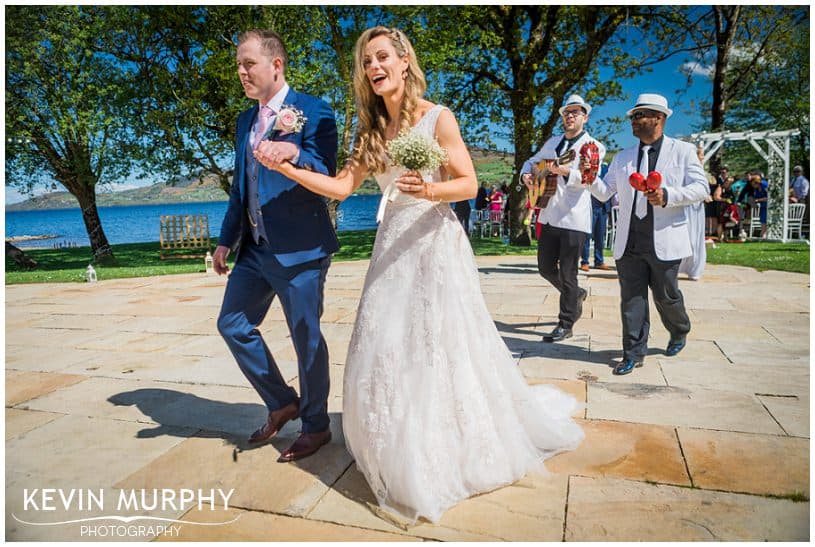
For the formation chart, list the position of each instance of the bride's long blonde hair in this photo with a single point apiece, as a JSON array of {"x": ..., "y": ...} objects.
[{"x": 372, "y": 116}]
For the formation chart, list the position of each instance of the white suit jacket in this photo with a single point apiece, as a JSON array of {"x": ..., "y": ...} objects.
[
  {"x": 570, "y": 206},
  {"x": 685, "y": 182}
]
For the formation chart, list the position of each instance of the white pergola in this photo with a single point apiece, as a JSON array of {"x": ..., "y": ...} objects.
[{"x": 777, "y": 156}]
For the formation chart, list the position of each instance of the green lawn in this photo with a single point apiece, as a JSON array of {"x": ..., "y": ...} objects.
[
  {"x": 762, "y": 255},
  {"x": 142, "y": 259}
]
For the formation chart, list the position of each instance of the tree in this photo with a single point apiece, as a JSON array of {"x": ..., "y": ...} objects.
[
  {"x": 514, "y": 66},
  {"x": 732, "y": 45},
  {"x": 65, "y": 108},
  {"x": 779, "y": 97},
  {"x": 188, "y": 94}
]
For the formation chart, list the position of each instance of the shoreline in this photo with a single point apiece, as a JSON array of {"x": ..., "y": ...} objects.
[{"x": 17, "y": 239}]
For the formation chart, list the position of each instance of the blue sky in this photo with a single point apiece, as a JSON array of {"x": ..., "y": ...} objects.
[{"x": 666, "y": 78}]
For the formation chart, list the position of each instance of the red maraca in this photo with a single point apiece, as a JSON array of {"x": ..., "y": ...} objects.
[
  {"x": 653, "y": 181},
  {"x": 637, "y": 181}
]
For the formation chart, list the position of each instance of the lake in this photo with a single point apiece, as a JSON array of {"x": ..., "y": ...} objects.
[{"x": 140, "y": 223}]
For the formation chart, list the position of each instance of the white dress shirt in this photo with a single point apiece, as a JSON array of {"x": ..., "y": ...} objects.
[{"x": 570, "y": 206}]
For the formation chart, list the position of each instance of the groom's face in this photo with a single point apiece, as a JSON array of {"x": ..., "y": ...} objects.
[{"x": 260, "y": 74}]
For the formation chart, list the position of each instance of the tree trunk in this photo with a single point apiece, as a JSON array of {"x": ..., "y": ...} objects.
[
  {"x": 726, "y": 20},
  {"x": 102, "y": 252},
  {"x": 18, "y": 256},
  {"x": 519, "y": 234}
]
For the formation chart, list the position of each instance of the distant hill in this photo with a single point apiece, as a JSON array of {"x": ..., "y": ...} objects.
[
  {"x": 491, "y": 167},
  {"x": 191, "y": 190}
]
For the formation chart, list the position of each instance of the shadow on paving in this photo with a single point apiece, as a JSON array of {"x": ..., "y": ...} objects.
[{"x": 170, "y": 409}]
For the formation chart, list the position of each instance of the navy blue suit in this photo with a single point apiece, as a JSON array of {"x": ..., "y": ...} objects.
[{"x": 289, "y": 261}]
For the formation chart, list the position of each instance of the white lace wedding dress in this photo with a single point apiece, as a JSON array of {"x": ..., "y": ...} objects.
[{"x": 435, "y": 409}]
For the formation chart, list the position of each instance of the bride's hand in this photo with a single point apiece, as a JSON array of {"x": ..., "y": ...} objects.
[
  {"x": 411, "y": 183},
  {"x": 276, "y": 155}
]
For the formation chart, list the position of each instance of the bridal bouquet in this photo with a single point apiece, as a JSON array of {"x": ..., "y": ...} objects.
[{"x": 416, "y": 152}]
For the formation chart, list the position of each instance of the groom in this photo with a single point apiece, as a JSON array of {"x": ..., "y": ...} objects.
[{"x": 284, "y": 240}]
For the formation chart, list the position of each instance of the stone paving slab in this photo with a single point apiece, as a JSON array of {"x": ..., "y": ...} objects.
[
  {"x": 256, "y": 526},
  {"x": 159, "y": 404},
  {"x": 20, "y": 422},
  {"x": 624, "y": 450},
  {"x": 56, "y": 455},
  {"x": 676, "y": 406},
  {"x": 260, "y": 483},
  {"x": 791, "y": 413},
  {"x": 610, "y": 509},
  {"x": 745, "y": 462},
  {"x": 779, "y": 379},
  {"x": 22, "y": 386}
]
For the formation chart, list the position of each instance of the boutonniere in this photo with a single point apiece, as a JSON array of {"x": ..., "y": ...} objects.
[{"x": 290, "y": 120}]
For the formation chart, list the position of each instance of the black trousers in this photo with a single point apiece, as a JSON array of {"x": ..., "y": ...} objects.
[
  {"x": 637, "y": 272},
  {"x": 558, "y": 253}
]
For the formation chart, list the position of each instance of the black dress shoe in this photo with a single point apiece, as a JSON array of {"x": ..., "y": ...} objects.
[
  {"x": 581, "y": 296},
  {"x": 305, "y": 445},
  {"x": 558, "y": 334},
  {"x": 675, "y": 346},
  {"x": 626, "y": 366}
]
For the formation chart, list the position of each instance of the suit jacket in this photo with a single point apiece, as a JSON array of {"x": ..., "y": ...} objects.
[
  {"x": 570, "y": 206},
  {"x": 296, "y": 220},
  {"x": 685, "y": 183}
]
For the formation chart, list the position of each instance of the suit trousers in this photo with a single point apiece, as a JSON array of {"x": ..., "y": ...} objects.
[
  {"x": 637, "y": 272},
  {"x": 558, "y": 252},
  {"x": 599, "y": 220},
  {"x": 255, "y": 281}
]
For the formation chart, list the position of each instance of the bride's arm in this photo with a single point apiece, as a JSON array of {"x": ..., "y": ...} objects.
[
  {"x": 462, "y": 184},
  {"x": 340, "y": 187}
]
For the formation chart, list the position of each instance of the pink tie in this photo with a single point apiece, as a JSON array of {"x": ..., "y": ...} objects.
[{"x": 262, "y": 124}]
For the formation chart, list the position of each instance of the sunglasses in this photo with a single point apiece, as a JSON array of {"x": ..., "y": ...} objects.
[
  {"x": 639, "y": 114},
  {"x": 574, "y": 113}
]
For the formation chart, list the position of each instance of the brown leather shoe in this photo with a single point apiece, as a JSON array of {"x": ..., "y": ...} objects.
[
  {"x": 305, "y": 445},
  {"x": 601, "y": 267},
  {"x": 584, "y": 267},
  {"x": 275, "y": 422}
]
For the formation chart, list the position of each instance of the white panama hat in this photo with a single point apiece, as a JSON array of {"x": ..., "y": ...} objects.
[
  {"x": 575, "y": 100},
  {"x": 652, "y": 101}
]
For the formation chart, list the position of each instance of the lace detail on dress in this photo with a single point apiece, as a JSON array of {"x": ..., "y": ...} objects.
[{"x": 435, "y": 409}]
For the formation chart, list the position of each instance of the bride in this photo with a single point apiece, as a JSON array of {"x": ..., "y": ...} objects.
[{"x": 435, "y": 409}]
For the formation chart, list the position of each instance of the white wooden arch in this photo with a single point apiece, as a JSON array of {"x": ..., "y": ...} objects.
[{"x": 777, "y": 156}]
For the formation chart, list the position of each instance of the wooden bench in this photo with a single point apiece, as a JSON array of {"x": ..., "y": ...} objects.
[{"x": 183, "y": 233}]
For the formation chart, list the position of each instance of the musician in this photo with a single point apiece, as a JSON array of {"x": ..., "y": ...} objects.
[
  {"x": 652, "y": 229},
  {"x": 566, "y": 220}
]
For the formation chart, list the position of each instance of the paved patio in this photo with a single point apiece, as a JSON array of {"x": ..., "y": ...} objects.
[{"x": 125, "y": 386}]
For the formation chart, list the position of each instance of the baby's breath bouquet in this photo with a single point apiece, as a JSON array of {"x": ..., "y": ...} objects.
[{"x": 416, "y": 152}]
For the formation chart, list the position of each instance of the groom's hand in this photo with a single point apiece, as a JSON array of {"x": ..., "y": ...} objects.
[
  {"x": 271, "y": 154},
  {"x": 219, "y": 260}
]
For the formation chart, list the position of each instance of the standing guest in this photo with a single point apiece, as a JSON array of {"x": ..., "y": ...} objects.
[
  {"x": 652, "y": 231},
  {"x": 462, "y": 209},
  {"x": 481, "y": 197},
  {"x": 600, "y": 211},
  {"x": 285, "y": 241},
  {"x": 566, "y": 220},
  {"x": 496, "y": 199},
  {"x": 800, "y": 185},
  {"x": 800, "y": 194},
  {"x": 693, "y": 265},
  {"x": 758, "y": 196},
  {"x": 712, "y": 209}
]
